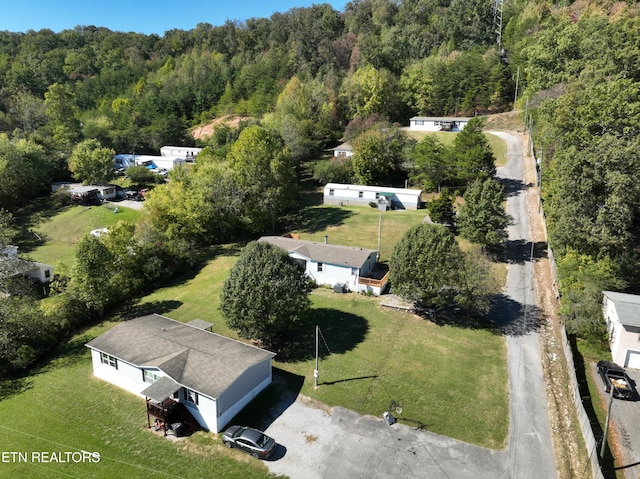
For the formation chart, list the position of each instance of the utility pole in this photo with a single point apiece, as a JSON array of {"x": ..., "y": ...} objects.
[
  {"x": 606, "y": 423},
  {"x": 316, "y": 373},
  {"x": 379, "y": 233},
  {"x": 515, "y": 97}
]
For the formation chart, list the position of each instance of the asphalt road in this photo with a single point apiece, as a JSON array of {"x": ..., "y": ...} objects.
[
  {"x": 316, "y": 443},
  {"x": 530, "y": 447}
]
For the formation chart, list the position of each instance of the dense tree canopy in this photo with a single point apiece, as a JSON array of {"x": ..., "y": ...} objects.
[{"x": 91, "y": 164}]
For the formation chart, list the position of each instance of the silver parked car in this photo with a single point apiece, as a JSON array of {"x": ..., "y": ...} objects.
[{"x": 250, "y": 440}]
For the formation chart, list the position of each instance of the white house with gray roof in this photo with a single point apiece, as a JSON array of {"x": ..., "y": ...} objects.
[
  {"x": 332, "y": 264},
  {"x": 169, "y": 362},
  {"x": 622, "y": 314}
]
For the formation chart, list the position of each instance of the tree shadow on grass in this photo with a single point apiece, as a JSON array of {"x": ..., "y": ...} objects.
[
  {"x": 455, "y": 317},
  {"x": 313, "y": 219},
  {"x": 13, "y": 387},
  {"x": 130, "y": 311},
  {"x": 339, "y": 332}
]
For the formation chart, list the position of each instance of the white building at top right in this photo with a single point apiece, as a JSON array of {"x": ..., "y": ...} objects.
[
  {"x": 621, "y": 311},
  {"x": 435, "y": 123}
]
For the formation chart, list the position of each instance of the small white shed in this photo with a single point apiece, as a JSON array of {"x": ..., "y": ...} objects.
[{"x": 344, "y": 150}]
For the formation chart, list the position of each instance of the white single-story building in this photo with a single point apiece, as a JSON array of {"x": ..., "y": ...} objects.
[
  {"x": 361, "y": 195},
  {"x": 31, "y": 269},
  {"x": 165, "y": 162},
  {"x": 331, "y": 264},
  {"x": 429, "y": 123},
  {"x": 181, "y": 367},
  {"x": 188, "y": 153},
  {"x": 344, "y": 150},
  {"x": 621, "y": 311}
]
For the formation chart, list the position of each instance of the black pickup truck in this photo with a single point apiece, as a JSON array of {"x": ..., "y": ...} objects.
[{"x": 612, "y": 374}]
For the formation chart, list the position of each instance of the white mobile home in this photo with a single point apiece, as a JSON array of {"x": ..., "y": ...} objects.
[
  {"x": 428, "y": 123},
  {"x": 188, "y": 153},
  {"x": 361, "y": 195},
  {"x": 181, "y": 367}
]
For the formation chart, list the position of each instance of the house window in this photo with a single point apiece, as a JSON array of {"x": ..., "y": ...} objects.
[
  {"x": 331, "y": 191},
  {"x": 360, "y": 194},
  {"x": 149, "y": 377},
  {"x": 47, "y": 273},
  {"x": 320, "y": 267},
  {"x": 419, "y": 122},
  {"x": 354, "y": 271},
  {"x": 191, "y": 396},
  {"x": 109, "y": 360}
]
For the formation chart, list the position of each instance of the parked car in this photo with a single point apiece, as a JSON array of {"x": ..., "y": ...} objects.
[
  {"x": 133, "y": 195},
  {"x": 614, "y": 375},
  {"x": 250, "y": 440}
]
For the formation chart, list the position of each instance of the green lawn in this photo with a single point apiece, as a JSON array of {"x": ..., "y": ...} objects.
[
  {"x": 63, "y": 408},
  {"x": 356, "y": 226},
  {"x": 450, "y": 380},
  {"x": 60, "y": 232}
]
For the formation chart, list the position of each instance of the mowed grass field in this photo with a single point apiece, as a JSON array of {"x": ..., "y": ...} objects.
[
  {"x": 449, "y": 380},
  {"x": 54, "y": 237}
]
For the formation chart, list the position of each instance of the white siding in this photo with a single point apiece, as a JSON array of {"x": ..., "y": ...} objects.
[
  {"x": 624, "y": 342},
  {"x": 239, "y": 394},
  {"x": 126, "y": 376},
  {"x": 435, "y": 124},
  {"x": 228, "y": 415},
  {"x": 362, "y": 195}
]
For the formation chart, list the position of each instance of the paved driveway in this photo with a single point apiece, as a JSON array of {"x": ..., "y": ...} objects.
[
  {"x": 625, "y": 420},
  {"x": 317, "y": 443}
]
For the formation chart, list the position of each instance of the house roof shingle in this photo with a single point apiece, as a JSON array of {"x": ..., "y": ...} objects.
[
  {"x": 200, "y": 360},
  {"x": 322, "y": 252},
  {"x": 627, "y": 306}
]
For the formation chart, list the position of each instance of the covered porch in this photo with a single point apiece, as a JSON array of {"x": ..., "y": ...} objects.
[{"x": 168, "y": 414}]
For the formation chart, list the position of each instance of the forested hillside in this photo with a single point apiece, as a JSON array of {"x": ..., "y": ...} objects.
[{"x": 307, "y": 79}]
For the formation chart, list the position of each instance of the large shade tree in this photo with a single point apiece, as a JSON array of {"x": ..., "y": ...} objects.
[
  {"x": 428, "y": 267},
  {"x": 265, "y": 294},
  {"x": 91, "y": 163},
  {"x": 265, "y": 175},
  {"x": 482, "y": 217}
]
